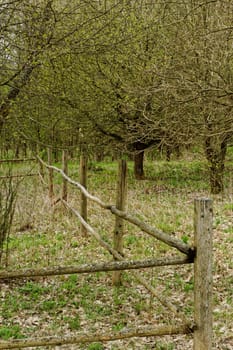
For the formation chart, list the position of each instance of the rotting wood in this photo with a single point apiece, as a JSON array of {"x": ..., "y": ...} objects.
[
  {"x": 97, "y": 337},
  {"x": 162, "y": 236},
  {"x": 97, "y": 267},
  {"x": 203, "y": 278},
  {"x": 119, "y": 222},
  {"x": 119, "y": 257}
]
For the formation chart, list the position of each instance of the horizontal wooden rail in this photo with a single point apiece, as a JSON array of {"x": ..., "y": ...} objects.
[
  {"x": 18, "y": 175},
  {"x": 97, "y": 337},
  {"x": 87, "y": 268},
  {"x": 17, "y": 160}
]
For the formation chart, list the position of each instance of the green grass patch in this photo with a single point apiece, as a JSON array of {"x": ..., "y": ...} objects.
[
  {"x": 11, "y": 332},
  {"x": 179, "y": 174},
  {"x": 95, "y": 346},
  {"x": 162, "y": 346},
  {"x": 35, "y": 290}
]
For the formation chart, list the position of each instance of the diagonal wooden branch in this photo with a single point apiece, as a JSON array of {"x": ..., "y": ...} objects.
[
  {"x": 162, "y": 236},
  {"x": 76, "y": 184},
  {"x": 117, "y": 256}
]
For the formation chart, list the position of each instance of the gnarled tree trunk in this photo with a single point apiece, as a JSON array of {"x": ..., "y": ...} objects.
[
  {"x": 139, "y": 148},
  {"x": 138, "y": 165},
  {"x": 216, "y": 154}
]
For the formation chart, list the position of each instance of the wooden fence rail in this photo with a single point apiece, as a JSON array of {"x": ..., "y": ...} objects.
[
  {"x": 17, "y": 176},
  {"x": 97, "y": 267},
  {"x": 17, "y": 160},
  {"x": 97, "y": 337},
  {"x": 200, "y": 255}
]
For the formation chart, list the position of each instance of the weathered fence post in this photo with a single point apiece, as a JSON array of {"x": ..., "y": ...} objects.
[
  {"x": 83, "y": 182},
  {"x": 41, "y": 167},
  {"x": 203, "y": 279},
  {"x": 51, "y": 189},
  {"x": 119, "y": 223},
  {"x": 65, "y": 169}
]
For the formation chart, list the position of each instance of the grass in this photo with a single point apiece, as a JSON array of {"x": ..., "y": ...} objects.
[
  {"x": 67, "y": 304},
  {"x": 10, "y": 332}
]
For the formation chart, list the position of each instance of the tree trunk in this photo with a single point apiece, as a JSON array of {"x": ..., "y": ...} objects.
[
  {"x": 24, "y": 146},
  {"x": 99, "y": 156},
  {"x": 17, "y": 151},
  {"x": 215, "y": 154},
  {"x": 138, "y": 165},
  {"x": 168, "y": 153}
]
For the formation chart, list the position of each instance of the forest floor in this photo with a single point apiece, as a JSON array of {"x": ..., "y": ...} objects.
[{"x": 44, "y": 236}]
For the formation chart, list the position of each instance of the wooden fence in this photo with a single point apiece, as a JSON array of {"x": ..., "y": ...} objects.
[
  {"x": 200, "y": 255},
  {"x": 15, "y": 161}
]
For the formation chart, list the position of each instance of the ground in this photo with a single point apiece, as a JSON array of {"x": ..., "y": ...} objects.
[{"x": 44, "y": 235}]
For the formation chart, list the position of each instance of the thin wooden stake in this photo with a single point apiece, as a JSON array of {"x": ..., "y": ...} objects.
[
  {"x": 65, "y": 169},
  {"x": 51, "y": 188},
  {"x": 119, "y": 222},
  {"x": 203, "y": 279},
  {"x": 83, "y": 182}
]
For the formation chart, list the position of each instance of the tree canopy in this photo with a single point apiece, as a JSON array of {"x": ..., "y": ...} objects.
[{"x": 123, "y": 75}]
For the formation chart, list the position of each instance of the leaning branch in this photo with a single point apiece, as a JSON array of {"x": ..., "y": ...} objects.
[
  {"x": 162, "y": 236},
  {"x": 76, "y": 184}
]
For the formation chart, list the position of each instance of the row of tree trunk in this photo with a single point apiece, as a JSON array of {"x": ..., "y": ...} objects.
[{"x": 215, "y": 154}]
